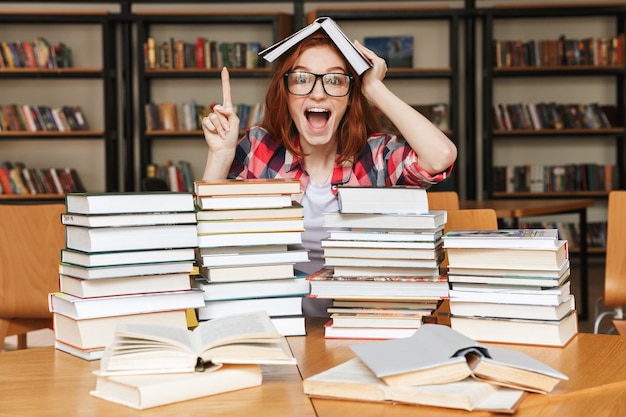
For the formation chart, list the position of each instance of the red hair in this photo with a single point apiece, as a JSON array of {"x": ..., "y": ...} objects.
[{"x": 358, "y": 123}]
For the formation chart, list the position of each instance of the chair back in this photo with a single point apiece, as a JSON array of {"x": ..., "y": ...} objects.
[
  {"x": 471, "y": 219},
  {"x": 31, "y": 238},
  {"x": 615, "y": 266},
  {"x": 443, "y": 200}
]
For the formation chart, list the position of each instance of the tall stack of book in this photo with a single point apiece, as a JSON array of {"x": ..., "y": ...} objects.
[
  {"x": 382, "y": 261},
  {"x": 127, "y": 259},
  {"x": 511, "y": 286},
  {"x": 249, "y": 238}
]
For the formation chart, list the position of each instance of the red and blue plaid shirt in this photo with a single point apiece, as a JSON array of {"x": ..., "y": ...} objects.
[{"x": 385, "y": 161}]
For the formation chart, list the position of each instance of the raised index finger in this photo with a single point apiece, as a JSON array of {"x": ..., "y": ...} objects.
[{"x": 227, "y": 100}]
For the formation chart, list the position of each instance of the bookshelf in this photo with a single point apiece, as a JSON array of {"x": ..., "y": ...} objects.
[
  {"x": 575, "y": 148},
  {"x": 91, "y": 83},
  {"x": 435, "y": 77},
  {"x": 202, "y": 85}
]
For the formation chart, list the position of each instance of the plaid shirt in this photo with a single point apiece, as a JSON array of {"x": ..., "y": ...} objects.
[{"x": 386, "y": 161}]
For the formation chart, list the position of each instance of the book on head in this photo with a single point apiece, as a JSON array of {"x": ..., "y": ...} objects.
[
  {"x": 356, "y": 59},
  {"x": 248, "y": 338},
  {"x": 437, "y": 354}
]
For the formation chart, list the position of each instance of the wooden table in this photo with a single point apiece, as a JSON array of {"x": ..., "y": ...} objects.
[
  {"x": 45, "y": 382},
  {"x": 595, "y": 365},
  {"x": 515, "y": 208}
]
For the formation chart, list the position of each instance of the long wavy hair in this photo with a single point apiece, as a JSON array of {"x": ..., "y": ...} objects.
[{"x": 357, "y": 124}]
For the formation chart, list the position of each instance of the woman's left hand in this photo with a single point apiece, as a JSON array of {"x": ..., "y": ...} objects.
[{"x": 376, "y": 73}]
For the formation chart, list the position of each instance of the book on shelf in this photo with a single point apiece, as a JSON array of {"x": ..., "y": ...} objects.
[
  {"x": 136, "y": 202},
  {"x": 98, "y": 332},
  {"x": 479, "y": 309},
  {"x": 510, "y": 294},
  {"x": 127, "y": 238},
  {"x": 502, "y": 238},
  {"x": 437, "y": 354},
  {"x": 243, "y": 201},
  {"x": 247, "y": 272},
  {"x": 121, "y": 271},
  {"x": 518, "y": 331},
  {"x": 147, "y": 391},
  {"x": 353, "y": 380},
  {"x": 263, "y": 256},
  {"x": 510, "y": 258},
  {"x": 382, "y": 200},
  {"x": 273, "y": 306},
  {"x": 247, "y": 186},
  {"x": 85, "y": 308},
  {"x": 371, "y": 234},
  {"x": 396, "y": 50},
  {"x": 249, "y": 239},
  {"x": 356, "y": 59},
  {"x": 138, "y": 219},
  {"x": 293, "y": 211},
  {"x": 433, "y": 220},
  {"x": 88, "y": 288},
  {"x": 75, "y": 257},
  {"x": 247, "y": 338},
  {"x": 250, "y": 226},
  {"x": 252, "y": 289}
]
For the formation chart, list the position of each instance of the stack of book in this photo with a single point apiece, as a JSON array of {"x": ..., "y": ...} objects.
[
  {"x": 511, "y": 286},
  {"x": 127, "y": 259},
  {"x": 249, "y": 238},
  {"x": 439, "y": 367},
  {"x": 382, "y": 261},
  {"x": 151, "y": 365}
]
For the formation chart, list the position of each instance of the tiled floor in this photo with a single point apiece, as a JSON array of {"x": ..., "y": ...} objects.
[{"x": 596, "y": 284}]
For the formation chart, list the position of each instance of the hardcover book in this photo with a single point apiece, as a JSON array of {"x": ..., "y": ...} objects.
[
  {"x": 248, "y": 338},
  {"x": 353, "y": 380},
  {"x": 437, "y": 354},
  {"x": 328, "y": 25}
]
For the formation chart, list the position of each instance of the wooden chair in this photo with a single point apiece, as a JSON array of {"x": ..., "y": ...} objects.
[
  {"x": 31, "y": 238},
  {"x": 464, "y": 219},
  {"x": 614, "y": 296},
  {"x": 443, "y": 200}
]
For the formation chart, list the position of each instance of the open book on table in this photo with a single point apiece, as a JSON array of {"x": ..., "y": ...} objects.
[
  {"x": 249, "y": 338},
  {"x": 353, "y": 380},
  {"x": 437, "y": 354}
]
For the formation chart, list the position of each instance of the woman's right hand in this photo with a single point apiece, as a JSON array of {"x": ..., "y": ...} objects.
[{"x": 221, "y": 127}]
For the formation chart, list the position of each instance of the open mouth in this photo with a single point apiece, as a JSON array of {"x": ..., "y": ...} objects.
[{"x": 317, "y": 117}]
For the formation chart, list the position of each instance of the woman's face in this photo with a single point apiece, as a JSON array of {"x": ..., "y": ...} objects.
[{"x": 317, "y": 115}]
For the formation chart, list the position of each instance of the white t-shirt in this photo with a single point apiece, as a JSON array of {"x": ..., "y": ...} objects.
[{"x": 317, "y": 200}]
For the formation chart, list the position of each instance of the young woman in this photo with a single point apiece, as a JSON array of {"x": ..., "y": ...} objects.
[{"x": 320, "y": 127}]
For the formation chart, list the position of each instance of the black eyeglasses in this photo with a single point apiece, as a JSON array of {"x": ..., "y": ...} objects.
[{"x": 301, "y": 83}]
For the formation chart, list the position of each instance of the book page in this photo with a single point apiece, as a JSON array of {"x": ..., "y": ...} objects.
[
  {"x": 253, "y": 327},
  {"x": 141, "y": 336}
]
